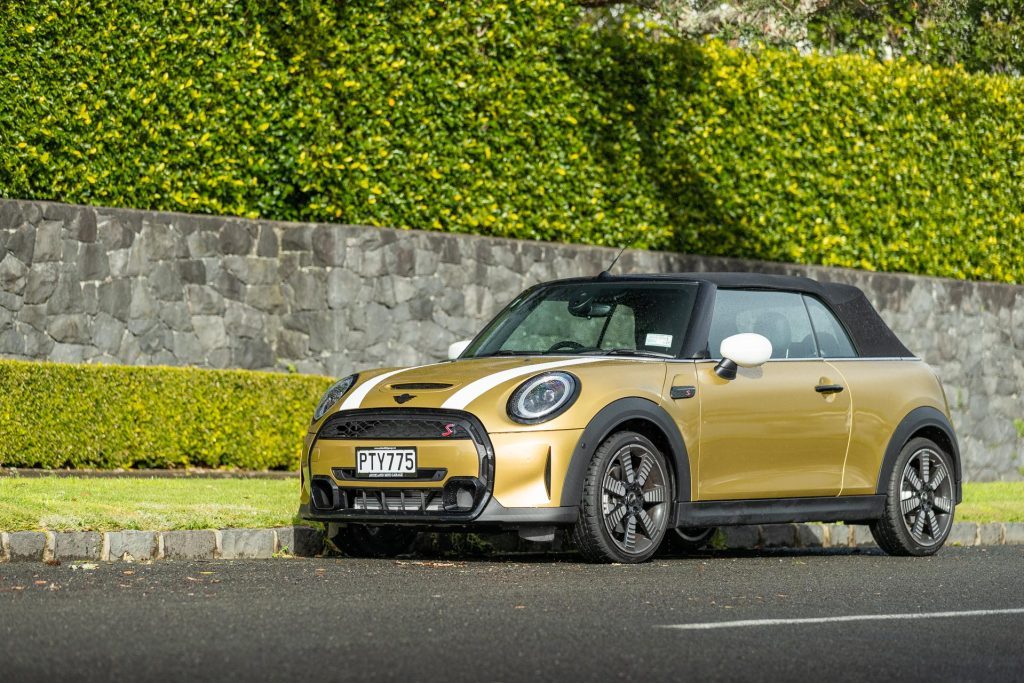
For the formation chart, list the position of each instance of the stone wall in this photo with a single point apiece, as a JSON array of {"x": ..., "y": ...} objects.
[{"x": 83, "y": 284}]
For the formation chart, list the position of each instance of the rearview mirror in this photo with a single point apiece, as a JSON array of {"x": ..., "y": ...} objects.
[
  {"x": 747, "y": 350},
  {"x": 455, "y": 350}
]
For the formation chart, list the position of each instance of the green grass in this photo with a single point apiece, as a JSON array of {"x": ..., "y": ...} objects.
[
  {"x": 1000, "y": 501},
  {"x": 68, "y": 504}
]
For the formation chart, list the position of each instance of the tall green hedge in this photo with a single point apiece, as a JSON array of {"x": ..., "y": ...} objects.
[
  {"x": 515, "y": 119},
  {"x": 56, "y": 415}
]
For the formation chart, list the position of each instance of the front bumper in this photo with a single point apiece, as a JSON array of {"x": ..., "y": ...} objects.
[
  {"x": 494, "y": 515},
  {"x": 465, "y": 476}
]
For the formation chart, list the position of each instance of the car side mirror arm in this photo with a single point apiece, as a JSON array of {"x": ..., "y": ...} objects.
[{"x": 726, "y": 369}]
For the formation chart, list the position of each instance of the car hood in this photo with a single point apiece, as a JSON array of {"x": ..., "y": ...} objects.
[{"x": 482, "y": 386}]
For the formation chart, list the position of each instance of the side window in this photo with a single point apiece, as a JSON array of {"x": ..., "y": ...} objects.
[
  {"x": 832, "y": 338},
  {"x": 780, "y": 316}
]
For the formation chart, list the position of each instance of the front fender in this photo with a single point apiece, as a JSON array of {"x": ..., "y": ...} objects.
[{"x": 607, "y": 421}]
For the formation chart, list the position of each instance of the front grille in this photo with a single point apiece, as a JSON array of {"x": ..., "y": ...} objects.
[
  {"x": 341, "y": 427},
  {"x": 393, "y": 500},
  {"x": 461, "y": 498}
]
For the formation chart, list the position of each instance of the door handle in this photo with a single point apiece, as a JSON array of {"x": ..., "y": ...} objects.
[{"x": 828, "y": 388}]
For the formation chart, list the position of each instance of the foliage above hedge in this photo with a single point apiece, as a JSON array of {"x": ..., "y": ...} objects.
[
  {"x": 56, "y": 415},
  {"x": 513, "y": 119}
]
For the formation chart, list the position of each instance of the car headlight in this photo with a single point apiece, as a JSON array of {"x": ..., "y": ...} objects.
[
  {"x": 333, "y": 395},
  {"x": 543, "y": 397}
]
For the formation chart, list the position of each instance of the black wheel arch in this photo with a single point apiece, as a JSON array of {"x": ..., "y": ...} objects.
[
  {"x": 635, "y": 414},
  {"x": 931, "y": 424}
]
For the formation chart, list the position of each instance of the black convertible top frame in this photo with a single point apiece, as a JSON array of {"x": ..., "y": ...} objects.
[{"x": 870, "y": 335}]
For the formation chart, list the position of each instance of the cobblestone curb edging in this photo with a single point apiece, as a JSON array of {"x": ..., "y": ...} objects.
[
  {"x": 130, "y": 546},
  {"x": 303, "y": 541}
]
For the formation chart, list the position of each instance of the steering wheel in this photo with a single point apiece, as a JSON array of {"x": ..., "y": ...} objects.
[{"x": 565, "y": 345}]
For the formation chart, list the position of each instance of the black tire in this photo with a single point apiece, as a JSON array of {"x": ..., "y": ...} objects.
[
  {"x": 360, "y": 540},
  {"x": 625, "y": 509},
  {"x": 920, "y": 501},
  {"x": 689, "y": 539}
]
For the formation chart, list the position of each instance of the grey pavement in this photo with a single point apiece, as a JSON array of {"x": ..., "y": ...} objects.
[{"x": 516, "y": 618}]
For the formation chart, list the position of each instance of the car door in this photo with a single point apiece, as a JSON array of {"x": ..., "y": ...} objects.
[{"x": 780, "y": 430}]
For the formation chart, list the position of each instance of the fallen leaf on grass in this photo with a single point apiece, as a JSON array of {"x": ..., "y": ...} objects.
[
  {"x": 40, "y": 583},
  {"x": 85, "y": 566},
  {"x": 128, "y": 572}
]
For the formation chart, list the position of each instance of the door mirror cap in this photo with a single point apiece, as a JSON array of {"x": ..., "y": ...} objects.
[
  {"x": 746, "y": 350},
  {"x": 455, "y": 350}
]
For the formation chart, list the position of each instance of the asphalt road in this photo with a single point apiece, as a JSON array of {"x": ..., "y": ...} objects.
[{"x": 518, "y": 619}]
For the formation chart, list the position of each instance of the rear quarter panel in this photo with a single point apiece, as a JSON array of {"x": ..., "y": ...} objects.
[{"x": 883, "y": 392}]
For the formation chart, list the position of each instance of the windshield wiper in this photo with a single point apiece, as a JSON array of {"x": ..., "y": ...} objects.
[{"x": 625, "y": 352}]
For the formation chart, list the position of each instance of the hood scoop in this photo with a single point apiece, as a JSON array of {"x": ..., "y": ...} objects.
[{"x": 420, "y": 386}]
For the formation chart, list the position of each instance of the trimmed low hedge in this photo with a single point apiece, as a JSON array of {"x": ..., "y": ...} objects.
[
  {"x": 519, "y": 119},
  {"x": 55, "y": 415}
]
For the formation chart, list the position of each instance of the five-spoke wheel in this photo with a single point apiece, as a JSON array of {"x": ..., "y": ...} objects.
[
  {"x": 920, "y": 502},
  {"x": 626, "y": 501}
]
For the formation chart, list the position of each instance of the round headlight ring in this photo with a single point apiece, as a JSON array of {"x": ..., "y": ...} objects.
[
  {"x": 543, "y": 397},
  {"x": 333, "y": 395}
]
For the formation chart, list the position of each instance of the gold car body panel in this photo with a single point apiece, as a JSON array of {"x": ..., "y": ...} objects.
[
  {"x": 883, "y": 393},
  {"x": 530, "y": 468},
  {"x": 769, "y": 434}
]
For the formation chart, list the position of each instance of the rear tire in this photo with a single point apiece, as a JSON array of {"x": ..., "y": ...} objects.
[
  {"x": 360, "y": 540},
  {"x": 920, "y": 501},
  {"x": 627, "y": 501}
]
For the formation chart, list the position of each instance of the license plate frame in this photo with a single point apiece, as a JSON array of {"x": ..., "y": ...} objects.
[{"x": 386, "y": 462}]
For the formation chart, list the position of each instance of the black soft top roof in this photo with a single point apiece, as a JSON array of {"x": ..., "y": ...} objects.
[{"x": 869, "y": 333}]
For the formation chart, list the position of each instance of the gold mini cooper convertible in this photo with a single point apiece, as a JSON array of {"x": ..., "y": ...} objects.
[{"x": 631, "y": 409}]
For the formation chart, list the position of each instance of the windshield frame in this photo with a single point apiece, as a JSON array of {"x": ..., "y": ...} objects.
[{"x": 693, "y": 346}]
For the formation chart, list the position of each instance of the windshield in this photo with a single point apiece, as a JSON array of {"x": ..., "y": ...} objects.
[{"x": 624, "y": 318}]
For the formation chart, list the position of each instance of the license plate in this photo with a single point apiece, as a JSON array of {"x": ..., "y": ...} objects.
[{"x": 385, "y": 462}]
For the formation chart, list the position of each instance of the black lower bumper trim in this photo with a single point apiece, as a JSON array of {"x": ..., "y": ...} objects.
[
  {"x": 494, "y": 514},
  {"x": 780, "y": 510}
]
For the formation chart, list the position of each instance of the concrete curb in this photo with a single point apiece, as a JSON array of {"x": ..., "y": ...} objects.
[
  {"x": 304, "y": 541},
  {"x": 133, "y": 546}
]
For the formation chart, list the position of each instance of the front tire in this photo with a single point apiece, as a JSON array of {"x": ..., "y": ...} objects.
[
  {"x": 627, "y": 501},
  {"x": 920, "y": 501},
  {"x": 360, "y": 540}
]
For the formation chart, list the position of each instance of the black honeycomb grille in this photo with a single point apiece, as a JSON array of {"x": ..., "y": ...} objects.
[{"x": 406, "y": 428}]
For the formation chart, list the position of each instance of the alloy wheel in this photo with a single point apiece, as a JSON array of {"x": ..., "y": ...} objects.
[
  {"x": 926, "y": 497},
  {"x": 635, "y": 499}
]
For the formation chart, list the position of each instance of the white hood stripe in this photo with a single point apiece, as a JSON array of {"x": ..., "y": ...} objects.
[
  {"x": 472, "y": 391},
  {"x": 355, "y": 399}
]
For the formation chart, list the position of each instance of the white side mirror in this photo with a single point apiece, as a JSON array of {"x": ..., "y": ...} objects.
[
  {"x": 747, "y": 350},
  {"x": 455, "y": 350}
]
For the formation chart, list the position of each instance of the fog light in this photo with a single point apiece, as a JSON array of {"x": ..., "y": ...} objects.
[{"x": 460, "y": 495}]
